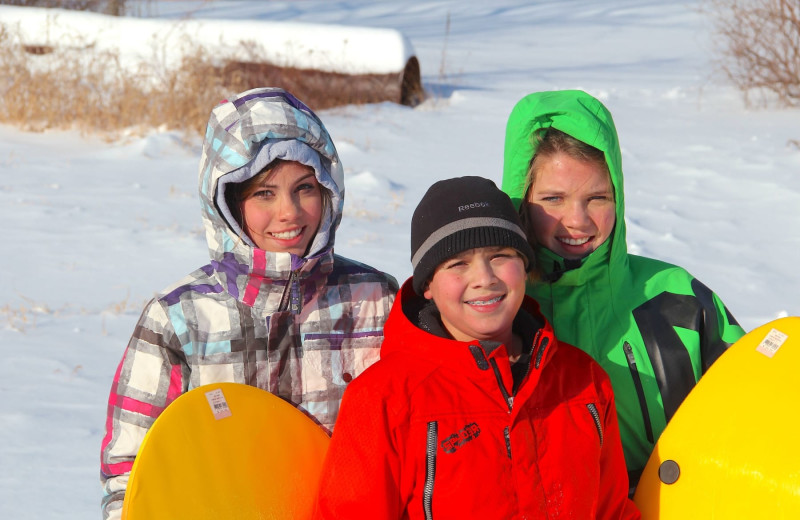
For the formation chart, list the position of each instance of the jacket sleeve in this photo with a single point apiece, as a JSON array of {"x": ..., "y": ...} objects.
[
  {"x": 151, "y": 375},
  {"x": 613, "y": 501},
  {"x": 719, "y": 328},
  {"x": 361, "y": 473}
]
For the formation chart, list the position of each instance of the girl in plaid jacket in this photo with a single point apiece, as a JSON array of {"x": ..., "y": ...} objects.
[{"x": 275, "y": 308}]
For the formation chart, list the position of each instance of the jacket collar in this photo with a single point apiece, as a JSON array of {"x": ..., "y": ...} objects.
[
  {"x": 564, "y": 272},
  {"x": 425, "y": 338},
  {"x": 268, "y": 280}
]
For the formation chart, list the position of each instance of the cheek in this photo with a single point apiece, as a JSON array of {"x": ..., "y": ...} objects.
[
  {"x": 514, "y": 276},
  {"x": 444, "y": 288},
  {"x": 542, "y": 221},
  {"x": 254, "y": 214},
  {"x": 313, "y": 209},
  {"x": 605, "y": 221}
]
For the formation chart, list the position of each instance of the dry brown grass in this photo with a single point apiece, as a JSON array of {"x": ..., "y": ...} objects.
[
  {"x": 94, "y": 93},
  {"x": 759, "y": 47},
  {"x": 78, "y": 87},
  {"x": 112, "y": 7}
]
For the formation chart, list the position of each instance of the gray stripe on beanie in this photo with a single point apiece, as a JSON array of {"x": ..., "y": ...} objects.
[{"x": 460, "y": 225}]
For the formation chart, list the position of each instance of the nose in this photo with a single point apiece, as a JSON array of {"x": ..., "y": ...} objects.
[
  {"x": 576, "y": 215},
  {"x": 483, "y": 274},
  {"x": 288, "y": 207}
]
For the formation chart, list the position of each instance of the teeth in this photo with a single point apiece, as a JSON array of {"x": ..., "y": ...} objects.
[
  {"x": 485, "y": 302},
  {"x": 574, "y": 241},
  {"x": 287, "y": 234}
]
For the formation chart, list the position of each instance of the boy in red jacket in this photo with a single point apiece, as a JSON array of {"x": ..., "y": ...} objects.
[{"x": 475, "y": 409}]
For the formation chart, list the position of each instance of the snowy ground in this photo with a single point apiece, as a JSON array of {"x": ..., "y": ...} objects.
[{"x": 93, "y": 229}]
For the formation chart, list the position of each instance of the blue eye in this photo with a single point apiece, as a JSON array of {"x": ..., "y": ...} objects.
[{"x": 307, "y": 187}]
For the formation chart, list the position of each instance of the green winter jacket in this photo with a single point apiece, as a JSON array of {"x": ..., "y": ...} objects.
[{"x": 652, "y": 326}]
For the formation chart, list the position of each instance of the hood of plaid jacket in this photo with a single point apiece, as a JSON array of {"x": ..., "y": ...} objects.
[{"x": 244, "y": 134}]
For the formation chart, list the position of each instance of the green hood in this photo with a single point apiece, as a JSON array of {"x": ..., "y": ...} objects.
[{"x": 578, "y": 114}]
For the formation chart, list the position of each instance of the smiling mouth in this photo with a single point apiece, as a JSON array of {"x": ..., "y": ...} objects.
[
  {"x": 484, "y": 302},
  {"x": 287, "y": 235},
  {"x": 574, "y": 241}
]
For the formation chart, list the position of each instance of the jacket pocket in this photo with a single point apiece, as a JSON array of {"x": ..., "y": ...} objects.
[
  {"x": 596, "y": 418},
  {"x": 431, "y": 445},
  {"x": 334, "y": 359},
  {"x": 637, "y": 382}
]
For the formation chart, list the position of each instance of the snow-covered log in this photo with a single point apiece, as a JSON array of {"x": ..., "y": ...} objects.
[{"x": 381, "y": 61}]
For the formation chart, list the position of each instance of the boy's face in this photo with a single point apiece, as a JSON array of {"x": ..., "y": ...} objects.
[{"x": 479, "y": 292}]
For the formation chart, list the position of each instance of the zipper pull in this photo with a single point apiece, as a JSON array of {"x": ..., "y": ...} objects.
[
  {"x": 626, "y": 347},
  {"x": 637, "y": 383},
  {"x": 509, "y": 399},
  {"x": 290, "y": 299},
  {"x": 294, "y": 294},
  {"x": 597, "y": 423}
]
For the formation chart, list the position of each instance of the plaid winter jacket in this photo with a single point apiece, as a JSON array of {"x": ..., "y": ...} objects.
[{"x": 301, "y": 328}]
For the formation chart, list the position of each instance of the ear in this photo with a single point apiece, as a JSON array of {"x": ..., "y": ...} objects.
[{"x": 427, "y": 292}]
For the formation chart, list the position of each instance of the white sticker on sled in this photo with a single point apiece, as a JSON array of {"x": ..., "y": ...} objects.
[
  {"x": 218, "y": 404},
  {"x": 770, "y": 344}
]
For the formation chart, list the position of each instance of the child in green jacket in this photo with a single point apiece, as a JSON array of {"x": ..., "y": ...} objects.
[{"x": 653, "y": 326}]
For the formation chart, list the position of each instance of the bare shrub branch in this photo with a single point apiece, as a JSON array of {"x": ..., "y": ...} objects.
[{"x": 759, "y": 46}]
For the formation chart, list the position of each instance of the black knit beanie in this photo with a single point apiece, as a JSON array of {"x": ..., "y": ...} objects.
[{"x": 459, "y": 214}]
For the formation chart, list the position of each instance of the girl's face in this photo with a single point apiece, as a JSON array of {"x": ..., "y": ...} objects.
[
  {"x": 283, "y": 214},
  {"x": 571, "y": 206}
]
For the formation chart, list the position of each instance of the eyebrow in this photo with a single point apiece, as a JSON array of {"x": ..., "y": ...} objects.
[
  {"x": 557, "y": 191},
  {"x": 298, "y": 181},
  {"x": 467, "y": 252}
]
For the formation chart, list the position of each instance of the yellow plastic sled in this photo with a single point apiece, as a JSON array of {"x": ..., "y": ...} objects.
[
  {"x": 227, "y": 451},
  {"x": 732, "y": 449}
]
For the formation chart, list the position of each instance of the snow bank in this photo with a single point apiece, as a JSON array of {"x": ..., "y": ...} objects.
[{"x": 329, "y": 48}]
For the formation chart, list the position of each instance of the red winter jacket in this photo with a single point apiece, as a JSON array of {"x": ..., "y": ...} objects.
[{"x": 433, "y": 431}]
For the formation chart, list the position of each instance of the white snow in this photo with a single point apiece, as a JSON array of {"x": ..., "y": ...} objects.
[{"x": 93, "y": 229}]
